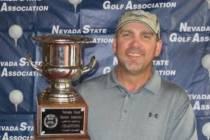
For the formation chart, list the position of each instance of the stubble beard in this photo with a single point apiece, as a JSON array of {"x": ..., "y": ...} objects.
[
  {"x": 131, "y": 67},
  {"x": 134, "y": 67}
]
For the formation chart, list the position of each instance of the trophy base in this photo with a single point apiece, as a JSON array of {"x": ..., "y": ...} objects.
[
  {"x": 61, "y": 120},
  {"x": 62, "y": 138}
]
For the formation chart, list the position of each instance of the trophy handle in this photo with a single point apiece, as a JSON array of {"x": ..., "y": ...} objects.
[
  {"x": 90, "y": 66},
  {"x": 29, "y": 59}
]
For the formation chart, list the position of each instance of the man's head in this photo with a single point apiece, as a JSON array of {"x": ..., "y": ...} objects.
[
  {"x": 144, "y": 17},
  {"x": 137, "y": 41}
]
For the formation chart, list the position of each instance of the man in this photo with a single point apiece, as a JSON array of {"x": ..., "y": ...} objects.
[{"x": 133, "y": 102}]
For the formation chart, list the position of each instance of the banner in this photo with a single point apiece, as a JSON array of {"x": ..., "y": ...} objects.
[{"x": 185, "y": 60}]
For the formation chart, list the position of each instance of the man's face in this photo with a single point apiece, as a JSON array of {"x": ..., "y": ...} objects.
[{"x": 135, "y": 46}]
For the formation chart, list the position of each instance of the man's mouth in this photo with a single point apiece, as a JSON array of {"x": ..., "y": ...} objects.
[{"x": 132, "y": 54}]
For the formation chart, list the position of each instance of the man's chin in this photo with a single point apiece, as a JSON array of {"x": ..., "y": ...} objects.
[{"x": 133, "y": 69}]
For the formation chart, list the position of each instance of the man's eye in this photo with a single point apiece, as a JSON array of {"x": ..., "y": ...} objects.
[{"x": 147, "y": 36}]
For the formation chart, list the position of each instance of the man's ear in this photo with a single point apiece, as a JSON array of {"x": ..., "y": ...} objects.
[
  {"x": 158, "y": 48},
  {"x": 114, "y": 45}
]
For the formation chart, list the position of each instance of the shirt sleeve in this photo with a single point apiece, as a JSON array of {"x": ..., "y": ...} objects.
[{"x": 182, "y": 126}]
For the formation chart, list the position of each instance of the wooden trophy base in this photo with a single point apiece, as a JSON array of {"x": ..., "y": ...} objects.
[
  {"x": 62, "y": 138},
  {"x": 61, "y": 121}
]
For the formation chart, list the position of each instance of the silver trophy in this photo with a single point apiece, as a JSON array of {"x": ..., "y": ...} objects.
[{"x": 61, "y": 111}]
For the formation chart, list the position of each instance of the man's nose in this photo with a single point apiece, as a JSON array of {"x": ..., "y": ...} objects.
[{"x": 136, "y": 42}]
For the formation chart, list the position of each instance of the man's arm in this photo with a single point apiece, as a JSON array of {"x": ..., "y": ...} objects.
[{"x": 182, "y": 126}]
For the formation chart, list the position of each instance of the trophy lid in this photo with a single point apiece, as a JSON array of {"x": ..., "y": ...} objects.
[{"x": 62, "y": 39}]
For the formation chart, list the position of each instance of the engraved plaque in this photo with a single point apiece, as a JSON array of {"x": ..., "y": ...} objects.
[{"x": 62, "y": 121}]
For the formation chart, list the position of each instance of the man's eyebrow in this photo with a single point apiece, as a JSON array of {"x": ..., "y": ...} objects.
[
  {"x": 148, "y": 32},
  {"x": 124, "y": 31}
]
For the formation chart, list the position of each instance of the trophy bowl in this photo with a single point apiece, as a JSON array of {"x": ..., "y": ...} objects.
[
  {"x": 62, "y": 57},
  {"x": 62, "y": 63}
]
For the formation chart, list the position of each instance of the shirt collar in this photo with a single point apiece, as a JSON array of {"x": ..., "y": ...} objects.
[
  {"x": 153, "y": 84},
  {"x": 112, "y": 80}
]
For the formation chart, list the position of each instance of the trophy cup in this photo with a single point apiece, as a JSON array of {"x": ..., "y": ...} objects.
[{"x": 61, "y": 111}]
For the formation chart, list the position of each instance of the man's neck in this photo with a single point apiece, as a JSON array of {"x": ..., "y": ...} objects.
[{"x": 132, "y": 82}]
